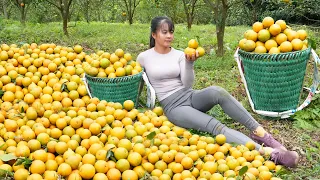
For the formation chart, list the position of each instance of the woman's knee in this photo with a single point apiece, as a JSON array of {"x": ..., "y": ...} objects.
[{"x": 217, "y": 90}]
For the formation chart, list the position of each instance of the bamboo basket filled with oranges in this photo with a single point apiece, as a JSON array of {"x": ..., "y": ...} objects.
[
  {"x": 272, "y": 59},
  {"x": 113, "y": 77}
]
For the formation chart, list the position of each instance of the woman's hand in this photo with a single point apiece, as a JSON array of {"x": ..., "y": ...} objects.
[{"x": 192, "y": 57}]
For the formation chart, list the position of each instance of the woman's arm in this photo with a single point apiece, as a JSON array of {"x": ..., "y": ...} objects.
[{"x": 186, "y": 71}]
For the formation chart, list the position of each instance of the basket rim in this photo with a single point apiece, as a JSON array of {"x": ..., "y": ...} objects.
[
  {"x": 267, "y": 54},
  {"x": 106, "y": 79}
]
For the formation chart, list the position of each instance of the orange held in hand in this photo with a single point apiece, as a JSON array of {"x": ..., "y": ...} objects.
[{"x": 193, "y": 47}]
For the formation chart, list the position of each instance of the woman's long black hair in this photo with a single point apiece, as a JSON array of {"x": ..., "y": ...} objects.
[{"x": 156, "y": 24}]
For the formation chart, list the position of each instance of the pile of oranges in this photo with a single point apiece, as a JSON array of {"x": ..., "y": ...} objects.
[
  {"x": 51, "y": 129},
  {"x": 193, "y": 47},
  {"x": 117, "y": 64},
  {"x": 273, "y": 37}
]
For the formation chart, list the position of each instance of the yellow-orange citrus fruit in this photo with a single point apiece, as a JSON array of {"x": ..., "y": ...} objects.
[
  {"x": 264, "y": 35},
  {"x": 286, "y": 47},
  {"x": 302, "y": 34},
  {"x": 249, "y": 45},
  {"x": 260, "y": 49},
  {"x": 257, "y": 26},
  {"x": 270, "y": 43},
  {"x": 193, "y": 44},
  {"x": 282, "y": 24},
  {"x": 280, "y": 38},
  {"x": 274, "y": 29},
  {"x": 251, "y": 35},
  {"x": 267, "y": 22}
]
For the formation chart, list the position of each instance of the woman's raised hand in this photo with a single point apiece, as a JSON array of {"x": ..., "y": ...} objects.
[{"x": 192, "y": 57}]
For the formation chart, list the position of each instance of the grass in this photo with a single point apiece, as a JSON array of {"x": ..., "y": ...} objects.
[{"x": 210, "y": 70}]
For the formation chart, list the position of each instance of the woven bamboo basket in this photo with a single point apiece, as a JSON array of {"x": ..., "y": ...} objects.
[
  {"x": 275, "y": 81},
  {"x": 117, "y": 89}
]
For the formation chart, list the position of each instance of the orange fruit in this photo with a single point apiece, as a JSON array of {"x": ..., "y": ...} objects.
[
  {"x": 241, "y": 43},
  {"x": 249, "y": 45},
  {"x": 282, "y": 24},
  {"x": 250, "y": 145},
  {"x": 187, "y": 162},
  {"x": 286, "y": 46},
  {"x": 201, "y": 51},
  {"x": 260, "y": 49},
  {"x": 101, "y": 166},
  {"x": 114, "y": 173},
  {"x": 265, "y": 175},
  {"x": 263, "y": 35},
  {"x": 210, "y": 166},
  {"x": 267, "y": 22},
  {"x": 220, "y": 139},
  {"x": 122, "y": 165},
  {"x": 77, "y": 48},
  {"x": 251, "y": 35},
  {"x": 189, "y": 51},
  {"x": 40, "y": 155},
  {"x": 193, "y": 44},
  {"x": 257, "y": 26},
  {"x": 21, "y": 174},
  {"x": 130, "y": 175},
  {"x": 119, "y": 53},
  {"x": 216, "y": 176},
  {"x": 274, "y": 50},
  {"x": 37, "y": 166},
  {"x": 297, "y": 44},
  {"x": 270, "y": 43},
  {"x": 292, "y": 35},
  {"x": 64, "y": 169},
  {"x": 274, "y": 29},
  {"x": 302, "y": 34},
  {"x": 87, "y": 171},
  {"x": 270, "y": 164},
  {"x": 280, "y": 38}
]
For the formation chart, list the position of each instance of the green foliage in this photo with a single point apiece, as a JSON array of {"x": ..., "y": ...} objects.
[
  {"x": 25, "y": 161},
  {"x": 309, "y": 118}
]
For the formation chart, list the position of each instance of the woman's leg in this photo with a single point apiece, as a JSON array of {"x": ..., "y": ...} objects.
[
  {"x": 188, "y": 117},
  {"x": 205, "y": 99}
]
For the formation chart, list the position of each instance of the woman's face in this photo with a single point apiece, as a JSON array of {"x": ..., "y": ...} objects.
[{"x": 163, "y": 37}]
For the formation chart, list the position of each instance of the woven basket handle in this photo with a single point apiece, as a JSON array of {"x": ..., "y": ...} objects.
[
  {"x": 151, "y": 95},
  {"x": 284, "y": 114},
  {"x": 85, "y": 82}
]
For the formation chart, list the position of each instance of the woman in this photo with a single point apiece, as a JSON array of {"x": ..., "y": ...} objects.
[{"x": 171, "y": 74}]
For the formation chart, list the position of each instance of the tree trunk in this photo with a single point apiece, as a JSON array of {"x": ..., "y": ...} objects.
[
  {"x": 65, "y": 21},
  {"x": 130, "y": 19},
  {"x": 4, "y": 7},
  {"x": 189, "y": 21},
  {"x": 221, "y": 27},
  {"x": 23, "y": 15},
  {"x": 86, "y": 11},
  {"x": 65, "y": 25}
]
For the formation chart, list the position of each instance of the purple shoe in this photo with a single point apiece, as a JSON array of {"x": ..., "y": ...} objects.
[
  {"x": 285, "y": 158},
  {"x": 267, "y": 140}
]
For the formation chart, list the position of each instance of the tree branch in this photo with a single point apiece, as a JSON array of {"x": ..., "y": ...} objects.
[
  {"x": 211, "y": 4},
  {"x": 125, "y": 2},
  {"x": 185, "y": 8},
  {"x": 54, "y": 4},
  {"x": 225, "y": 4},
  {"x": 135, "y": 6},
  {"x": 69, "y": 3},
  {"x": 193, "y": 7}
]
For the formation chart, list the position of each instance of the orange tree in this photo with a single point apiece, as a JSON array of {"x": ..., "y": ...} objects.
[
  {"x": 64, "y": 8},
  {"x": 22, "y": 5}
]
